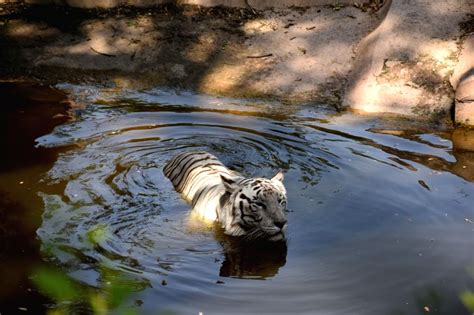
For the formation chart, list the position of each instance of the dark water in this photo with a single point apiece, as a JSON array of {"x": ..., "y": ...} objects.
[
  {"x": 26, "y": 112},
  {"x": 380, "y": 221}
]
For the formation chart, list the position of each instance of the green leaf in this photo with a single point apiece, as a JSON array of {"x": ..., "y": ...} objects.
[
  {"x": 98, "y": 303},
  {"x": 117, "y": 293},
  {"x": 55, "y": 284},
  {"x": 467, "y": 298},
  {"x": 128, "y": 311},
  {"x": 97, "y": 234}
]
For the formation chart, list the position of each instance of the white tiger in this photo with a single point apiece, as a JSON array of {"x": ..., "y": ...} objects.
[{"x": 254, "y": 208}]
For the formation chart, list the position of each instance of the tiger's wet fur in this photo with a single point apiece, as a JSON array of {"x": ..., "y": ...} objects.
[{"x": 254, "y": 208}]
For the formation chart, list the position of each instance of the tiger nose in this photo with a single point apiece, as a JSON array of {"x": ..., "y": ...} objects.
[{"x": 280, "y": 224}]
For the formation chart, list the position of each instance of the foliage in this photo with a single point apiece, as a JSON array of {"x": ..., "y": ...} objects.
[
  {"x": 97, "y": 234},
  {"x": 66, "y": 293},
  {"x": 56, "y": 285},
  {"x": 467, "y": 298}
]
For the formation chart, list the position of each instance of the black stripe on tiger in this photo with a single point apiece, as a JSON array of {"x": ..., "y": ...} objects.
[
  {"x": 181, "y": 167},
  {"x": 243, "y": 206},
  {"x": 189, "y": 179},
  {"x": 187, "y": 169},
  {"x": 169, "y": 167}
]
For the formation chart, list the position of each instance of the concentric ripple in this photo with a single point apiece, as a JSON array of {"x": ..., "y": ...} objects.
[{"x": 376, "y": 222}]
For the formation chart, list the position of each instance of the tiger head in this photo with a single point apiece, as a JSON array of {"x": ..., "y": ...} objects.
[{"x": 257, "y": 208}]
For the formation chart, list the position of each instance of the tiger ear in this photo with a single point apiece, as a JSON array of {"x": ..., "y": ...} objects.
[
  {"x": 229, "y": 184},
  {"x": 278, "y": 177}
]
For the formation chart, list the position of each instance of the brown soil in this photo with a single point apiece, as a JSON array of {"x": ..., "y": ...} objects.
[{"x": 288, "y": 54}]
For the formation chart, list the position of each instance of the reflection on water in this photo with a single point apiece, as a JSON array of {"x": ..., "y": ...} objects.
[
  {"x": 378, "y": 220},
  {"x": 463, "y": 145},
  {"x": 256, "y": 260},
  {"x": 27, "y": 111}
]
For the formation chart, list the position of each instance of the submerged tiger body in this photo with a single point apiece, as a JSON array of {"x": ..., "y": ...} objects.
[{"x": 251, "y": 207}]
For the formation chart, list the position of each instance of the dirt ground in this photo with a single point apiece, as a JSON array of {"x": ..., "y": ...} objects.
[
  {"x": 290, "y": 54},
  {"x": 350, "y": 56}
]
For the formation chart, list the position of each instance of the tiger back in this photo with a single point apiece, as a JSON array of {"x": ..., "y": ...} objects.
[{"x": 197, "y": 176}]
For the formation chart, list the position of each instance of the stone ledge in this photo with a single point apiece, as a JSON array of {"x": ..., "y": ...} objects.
[
  {"x": 401, "y": 71},
  {"x": 465, "y": 91},
  {"x": 464, "y": 106},
  {"x": 463, "y": 82},
  {"x": 464, "y": 113},
  {"x": 465, "y": 66}
]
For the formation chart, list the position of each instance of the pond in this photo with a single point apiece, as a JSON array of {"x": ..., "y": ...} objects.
[{"x": 380, "y": 219}]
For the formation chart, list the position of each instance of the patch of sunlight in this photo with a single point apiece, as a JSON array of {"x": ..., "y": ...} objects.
[
  {"x": 28, "y": 29},
  {"x": 97, "y": 43},
  {"x": 441, "y": 52},
  {"x": 224, "y": 78},
  {"x": 372, "y": 96},
  {"x": 260, "y": 26},
  {"x": 195, "y": 223}
]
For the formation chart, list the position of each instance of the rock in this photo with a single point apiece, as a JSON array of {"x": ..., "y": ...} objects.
[
  {"x": 419, "y": 84},
  {"x": 465, "y": 66},
  {"x": 465, "y": 91},
  {"x": 464, "y": 113},
  {"x": 391, "y": 63},
  {"x": 463, "y": 81},
  {"x": 464, "y": 103}
]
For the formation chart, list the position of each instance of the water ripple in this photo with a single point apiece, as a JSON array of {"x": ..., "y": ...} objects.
[{"x": 362, "y": 227}]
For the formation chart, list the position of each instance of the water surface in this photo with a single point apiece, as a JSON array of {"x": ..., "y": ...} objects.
[{"x": 380, "y": 222}]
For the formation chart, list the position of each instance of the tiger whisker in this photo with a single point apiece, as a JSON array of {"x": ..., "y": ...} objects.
[
  {"x": 253, "y": 234},
  {"x": 247, "y": 236},
  {"x": 258, "y": 234}
]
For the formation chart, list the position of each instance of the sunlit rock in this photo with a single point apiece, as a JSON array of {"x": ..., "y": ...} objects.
[
  {"x": 404, "y": 66},
  {"x": 463, "y": 81}
]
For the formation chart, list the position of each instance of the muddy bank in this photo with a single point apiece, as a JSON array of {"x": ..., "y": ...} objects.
[
  {"x": 289, "y": 54},
  {"x": 256, "y": 4},
  {"x": 366, "y": 57}
]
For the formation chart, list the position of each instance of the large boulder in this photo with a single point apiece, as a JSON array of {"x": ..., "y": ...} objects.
[
  {"x": 463, "y": 82},
  {"x": 404, "y": 65}
]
